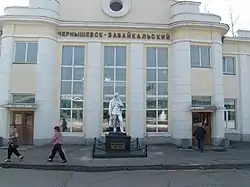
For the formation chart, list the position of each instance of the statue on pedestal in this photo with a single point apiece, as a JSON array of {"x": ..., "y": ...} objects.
[{"x": 115, "y": 113}]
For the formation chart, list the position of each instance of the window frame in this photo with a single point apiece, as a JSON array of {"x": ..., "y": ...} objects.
[
  {"x": 73, "y": 97},
  {"x": 26, "y": 52},
  {"x": 224, "y": 62},
  {"x": 226, "y": 113},
  {"x": 114, "y": 68},
  {"x": 156, "y": 97},
  {"x": 200, "y": 56}
]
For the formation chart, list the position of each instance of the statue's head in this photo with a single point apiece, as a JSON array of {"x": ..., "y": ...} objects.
[{"x": 116, "y": 95}]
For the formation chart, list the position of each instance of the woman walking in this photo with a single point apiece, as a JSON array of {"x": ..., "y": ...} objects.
[
  {"x": 13, "y": 144},
  {"x": 57, "y": 145}
]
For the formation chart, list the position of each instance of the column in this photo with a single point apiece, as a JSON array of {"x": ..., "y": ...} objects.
[
  {"x": 93, "y": 91},
  {"x": 218, "y": 129},
  {"x": 244, "y": 96},
  {"x": 6, "y": 60},
  {"x": 46, "y": 115},
  {"x": 180, "y": 95},
  {"x": 136, "y": 105}
]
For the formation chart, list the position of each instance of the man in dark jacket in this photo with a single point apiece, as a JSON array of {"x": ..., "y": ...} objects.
[
  {"x": 64, "y": 125},
  {"x": 199, "y": 134}
]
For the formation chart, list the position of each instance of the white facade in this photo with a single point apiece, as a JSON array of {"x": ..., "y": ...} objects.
[{"x": 172, "y": 67}]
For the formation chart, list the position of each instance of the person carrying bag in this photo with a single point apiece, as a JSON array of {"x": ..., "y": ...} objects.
[{"x": 13, "y": 144}]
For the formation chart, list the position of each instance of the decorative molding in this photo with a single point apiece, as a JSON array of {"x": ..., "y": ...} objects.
[
  {"x": 124, "y": 11},
  {"x": 196, "y": 41},
  {"x": 29, "y": 36},
  {"x": 188, "y": 23}
]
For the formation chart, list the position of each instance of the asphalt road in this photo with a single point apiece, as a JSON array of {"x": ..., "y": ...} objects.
[{"x": 212, "y": 178}]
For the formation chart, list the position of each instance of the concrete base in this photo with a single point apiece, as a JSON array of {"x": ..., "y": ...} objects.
[
  {"x": 182, "y": 143},
  {"x": 245, "y": 137},
  {"x": 67, "y": 140},
  {"x": 237, "y": 137},
  {"x": 41, "y": 142},
  {"x": 225, "y": 143},
  {"x": 233, "y": 136},
  {"x": 217, "y": 141},
  {"x": 156, "y": 140},
  {"x": 221, "y": 142},
  {"x": 5, "y": 142}
]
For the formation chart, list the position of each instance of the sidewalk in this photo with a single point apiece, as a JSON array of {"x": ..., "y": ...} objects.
[{"x": 159, "y": 158}]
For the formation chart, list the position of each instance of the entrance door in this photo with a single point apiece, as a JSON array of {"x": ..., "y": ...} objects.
[
  {"x": 24, "y": 121},
  {"x": 205, "y": 119}
]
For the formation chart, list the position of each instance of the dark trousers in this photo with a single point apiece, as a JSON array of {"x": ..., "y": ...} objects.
[
  {"x": 13, "y": 149},
  {"x": 57, "y": 148},
  {"x": 200, "y": 143}
]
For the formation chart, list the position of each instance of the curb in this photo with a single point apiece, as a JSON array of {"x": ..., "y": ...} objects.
[{"x": 77, "y": 168}]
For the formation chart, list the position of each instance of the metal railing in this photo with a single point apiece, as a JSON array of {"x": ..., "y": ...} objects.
[{"x": 99, "y": 145}]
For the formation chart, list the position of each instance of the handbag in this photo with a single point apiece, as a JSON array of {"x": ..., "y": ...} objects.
[{"x": 15, "y": 143}]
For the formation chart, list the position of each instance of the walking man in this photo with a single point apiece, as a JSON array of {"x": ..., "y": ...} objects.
[{"x": 199, "y": 134}]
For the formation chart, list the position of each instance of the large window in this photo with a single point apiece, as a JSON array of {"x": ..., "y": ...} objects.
[
  {"x": 229, "y": 67},
  {"x": 72, "y": 87},
  {"x": 230, "y": 113},
  {"x": 26, "y": 52},
  {"x": 114, "y": 79},
  {"x": 200, "y": 56},
  {"x": 157, "y": 89}
]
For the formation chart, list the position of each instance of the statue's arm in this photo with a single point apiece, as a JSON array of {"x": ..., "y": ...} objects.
[
  {"x": 121, "y": 103},
  {"x": 110, "y": 107}
]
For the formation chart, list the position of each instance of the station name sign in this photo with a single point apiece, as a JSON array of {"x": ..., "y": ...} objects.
[{"x": 116, "y": 35}]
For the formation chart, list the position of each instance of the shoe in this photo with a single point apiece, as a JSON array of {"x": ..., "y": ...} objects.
[
  {"x": 50, "y": 160},
  {"x": 7, "y": 160},
  {"x": 21, "y": 158},
  {"x": 64, "y": 161}
]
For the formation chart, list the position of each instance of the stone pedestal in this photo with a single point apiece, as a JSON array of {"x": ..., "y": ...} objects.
[
  {"x": 117, "y": 141},
  {"x": 118, "y": 145}
]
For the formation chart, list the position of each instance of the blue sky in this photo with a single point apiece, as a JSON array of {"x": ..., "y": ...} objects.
[{"x": 221, "y": 7}]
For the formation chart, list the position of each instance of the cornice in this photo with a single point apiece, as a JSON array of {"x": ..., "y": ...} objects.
[
  {"x": 39, "y": 19},
  {"x": 236, "y": 39}
]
